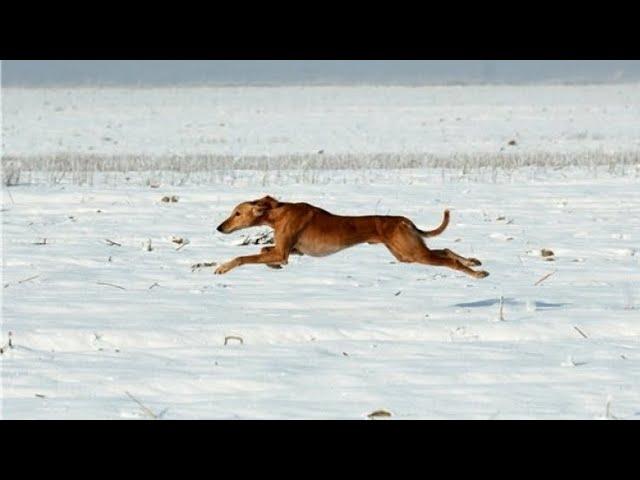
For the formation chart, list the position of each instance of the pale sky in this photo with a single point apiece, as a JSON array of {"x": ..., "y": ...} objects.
[{"x": 244, "y": 72}]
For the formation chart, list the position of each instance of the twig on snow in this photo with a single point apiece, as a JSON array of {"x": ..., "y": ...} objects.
[
  {"x": 28, "y": 279},
  {"x": 111, "y": 285},
  {"x": 196, "y": 266},
  {"x": 144, "y": 408},
  {"x": 111, "y": 242},
  {"x": 8, "y": 345},
  {"x": 580, "y": 332},
  {"x": 262, "y": 238},
  {"x": 608, "y": 414},
  {"x": 233, "y": 337},
  {"x": 379, "y": 414},
  {"x": 544, "y": 278}
]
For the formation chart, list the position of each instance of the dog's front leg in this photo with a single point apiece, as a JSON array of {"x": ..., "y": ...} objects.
[
  {"x": 273, "y": 257},
  {"x": 270, "y": 265}
]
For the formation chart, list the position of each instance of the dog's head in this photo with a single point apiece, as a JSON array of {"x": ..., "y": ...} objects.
[{"x": 248, "y": 214}]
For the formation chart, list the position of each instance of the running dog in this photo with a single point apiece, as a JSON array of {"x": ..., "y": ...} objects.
[{"x": 302, "y": 229}]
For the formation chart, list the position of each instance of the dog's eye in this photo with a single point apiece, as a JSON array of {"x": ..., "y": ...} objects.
[{"x": 237, "y": 213}]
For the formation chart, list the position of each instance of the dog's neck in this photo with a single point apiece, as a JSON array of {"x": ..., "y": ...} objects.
[
  {"x": 269, "y": 218},
  {"x": 263, "y": 221}
]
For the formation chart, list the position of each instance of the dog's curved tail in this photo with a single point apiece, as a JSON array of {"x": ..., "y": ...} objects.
[{"x": 437, "y": 231}]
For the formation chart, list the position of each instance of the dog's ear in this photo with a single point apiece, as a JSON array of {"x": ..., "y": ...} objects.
[
  {"x": 258, "y": 210},
  {"x": 266, "y": 203},
  {"x": 269, "y": 201},
  {"x": 263, "y": 205}
]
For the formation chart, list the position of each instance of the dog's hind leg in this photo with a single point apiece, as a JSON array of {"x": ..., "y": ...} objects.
[
  {"x": 409, "y": 248},
  {"x": 469, "y": 262},
  {"x": 429, "y": 258}
]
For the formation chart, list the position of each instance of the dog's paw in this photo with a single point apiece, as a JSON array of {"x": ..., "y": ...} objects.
[
  {"x": 274, "y": 265},
  {"x": 224, "y": 268},
  {"x": 482, "y": 274},
  {"x": 474, "y": 262}
]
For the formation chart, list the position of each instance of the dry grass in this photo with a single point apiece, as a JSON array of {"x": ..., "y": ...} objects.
[{"x": 78, "y": 168}]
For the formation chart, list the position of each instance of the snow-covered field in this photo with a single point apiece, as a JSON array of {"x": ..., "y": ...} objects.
[
  {"x": 97, "y": 327},
  {"x": 279, "y": 121},
  {"x": 336, "y": 337}
]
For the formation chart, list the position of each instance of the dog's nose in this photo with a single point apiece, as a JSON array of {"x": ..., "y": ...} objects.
[{"x": 219, "y": 228}]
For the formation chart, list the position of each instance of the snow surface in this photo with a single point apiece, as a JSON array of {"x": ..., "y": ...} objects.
[
  {"x": 335, "y": 337},
  {"x": 279, "y": 121},
  {"x": 97, "y": 328}
]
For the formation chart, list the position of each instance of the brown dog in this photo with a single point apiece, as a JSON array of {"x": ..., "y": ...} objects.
[{"x": 301, "y": 229}]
